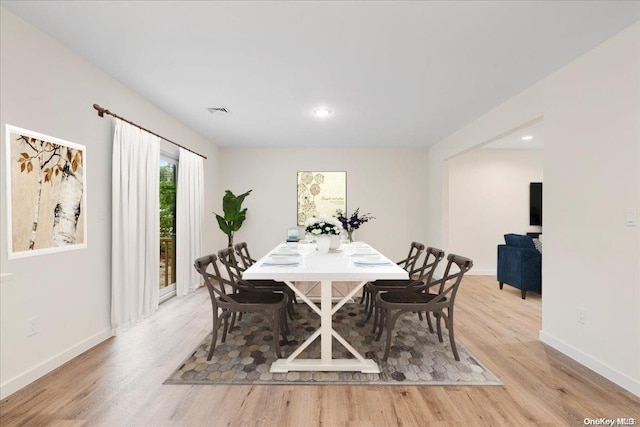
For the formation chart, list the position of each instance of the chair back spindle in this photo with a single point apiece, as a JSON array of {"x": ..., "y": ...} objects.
[{"x": 243, "y": 252}]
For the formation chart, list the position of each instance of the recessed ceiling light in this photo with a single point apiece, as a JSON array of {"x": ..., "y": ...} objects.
[
  {"x": 527, "y": 138},
  {"x": 322, "y": 112}
]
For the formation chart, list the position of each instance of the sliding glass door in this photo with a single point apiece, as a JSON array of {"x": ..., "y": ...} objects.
[{"x": 168, "y": 192}]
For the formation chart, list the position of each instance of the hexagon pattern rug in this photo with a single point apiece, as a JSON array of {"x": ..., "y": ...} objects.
[{"x": 416, "y": 356}]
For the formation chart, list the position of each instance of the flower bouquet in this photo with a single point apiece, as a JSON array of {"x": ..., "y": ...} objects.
[
  {"x": 326, "y": 231},
  {"x": 353, "y": 222},
  {"x": 323, "y": 225}
]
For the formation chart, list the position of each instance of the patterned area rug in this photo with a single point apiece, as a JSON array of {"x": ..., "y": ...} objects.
[{"x": 416, "y": 356}]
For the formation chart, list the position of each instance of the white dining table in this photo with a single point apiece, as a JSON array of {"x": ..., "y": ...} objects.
[{"x": 337, "y": 265}]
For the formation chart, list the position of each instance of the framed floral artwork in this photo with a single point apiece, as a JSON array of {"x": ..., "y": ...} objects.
[
  {"x": 46, "y": 193},
  {"x": 321, "y": 193}
]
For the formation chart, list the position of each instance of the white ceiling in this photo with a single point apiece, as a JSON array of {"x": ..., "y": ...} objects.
[{"x": 393, "y": 73}]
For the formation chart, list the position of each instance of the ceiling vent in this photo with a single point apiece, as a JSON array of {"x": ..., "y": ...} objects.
[{"x": 221, "y": 110}]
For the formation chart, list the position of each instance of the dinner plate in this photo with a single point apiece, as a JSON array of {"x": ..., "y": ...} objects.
[
  {"x": 363, "y": 252},
  {"x": 365, "y": 261},
  {"x": 359, "y": 245},
  {"x": 281, "y": 260},
  {"x": 283, "y": 251},
  {"x": 280, "y": 264},
  {"x": 284, "y": 255}
]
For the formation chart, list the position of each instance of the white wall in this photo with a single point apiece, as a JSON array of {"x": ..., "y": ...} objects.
[
  {"x": 592, "y": 173},
  {"x": 489, "y": 197},
  {"x": 389, "y": 183},
  {"x": 591, "y": 110},
  {"x": 46, "y": 88}
]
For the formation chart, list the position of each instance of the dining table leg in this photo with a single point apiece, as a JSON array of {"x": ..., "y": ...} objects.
[
  {"x": 326, "y": 333},
  {"x": 326, "y": 322}
]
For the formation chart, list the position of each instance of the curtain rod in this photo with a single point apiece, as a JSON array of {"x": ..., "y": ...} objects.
[{"x": 103, "y": 111}]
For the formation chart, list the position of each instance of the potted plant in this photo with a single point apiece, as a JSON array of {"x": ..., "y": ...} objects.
[{"x": 234, "y": 215}]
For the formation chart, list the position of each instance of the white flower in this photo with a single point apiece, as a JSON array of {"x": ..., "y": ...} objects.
[{"x": 323, "y": 225}]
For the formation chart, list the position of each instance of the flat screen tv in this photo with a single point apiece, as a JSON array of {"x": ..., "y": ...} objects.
[{"x": 535, "y": 203}]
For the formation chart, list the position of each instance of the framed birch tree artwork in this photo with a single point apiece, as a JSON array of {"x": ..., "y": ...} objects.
[
  {"x": 321, "y": 193},
  {"x": 46, "y": 193}
]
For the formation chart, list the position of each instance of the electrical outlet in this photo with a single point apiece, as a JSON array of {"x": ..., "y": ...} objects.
[
  {"x": 33, "y": 326},
  {"x": 582, "y": 316},
  {"x": 631, "y": 217}
]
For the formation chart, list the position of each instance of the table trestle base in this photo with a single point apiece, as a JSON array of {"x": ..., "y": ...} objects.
[{"x": 353, "y": 365}]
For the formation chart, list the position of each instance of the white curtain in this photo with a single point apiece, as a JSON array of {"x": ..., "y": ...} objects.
[
  {"x": 135, "y": 265},
  {"x": 189, "y": 220}
]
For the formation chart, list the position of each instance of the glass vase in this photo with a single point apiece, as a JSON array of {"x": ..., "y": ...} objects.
[{"x": 350, "y": 236}]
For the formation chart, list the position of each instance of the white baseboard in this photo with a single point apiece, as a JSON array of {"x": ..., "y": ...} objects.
[
  {"x": 623, "y": 380},
  {"x": 22, "y": 380},
  {"x": 485, "y": 272}
]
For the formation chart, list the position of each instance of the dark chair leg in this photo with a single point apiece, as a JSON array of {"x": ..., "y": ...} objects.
[
  {"x": 428, "y": 316},
  {"x": 370, "y": 307},
  {"x": 439, "y": 326},
  {"x": 292, "y": 301},
  {"x": 383, "y": 314},
  {"x": 524, "y": 294},
  {"x": 452, "y": 341},
  {"x": 214, "y": 336},
  {"x": 226, "y": 326},
  {"x": 501, "y": 285},
  {"x": 284, "y": 327},
  {"x": 276, "y": 333},
  {"x": 377, "y": 319},
  {"x": 391, "y": 321},
  {"x": 289, "y": 309}
]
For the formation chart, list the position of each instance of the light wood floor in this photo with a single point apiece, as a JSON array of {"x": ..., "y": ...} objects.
[{"x": 119, "y": 382}]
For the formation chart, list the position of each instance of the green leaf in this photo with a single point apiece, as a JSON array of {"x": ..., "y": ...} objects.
[
  {"x": 230, "y": 205},
  {"x": 241, "y": 197},
  {"x": 234, "y": 215},
  {"x": 224, "y": 226}
]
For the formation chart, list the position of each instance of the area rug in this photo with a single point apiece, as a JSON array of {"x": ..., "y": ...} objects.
[{"x": 416, "y": 356}]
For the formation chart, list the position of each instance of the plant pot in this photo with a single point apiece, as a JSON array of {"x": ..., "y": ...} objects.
[{"x": 323, "y": 243}]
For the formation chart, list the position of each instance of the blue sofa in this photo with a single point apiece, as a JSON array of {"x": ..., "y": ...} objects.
[{"x": 520, "y": 264}]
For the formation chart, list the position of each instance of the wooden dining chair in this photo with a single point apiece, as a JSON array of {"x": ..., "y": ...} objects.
[
  {"x": 228, "y": 259},
  {"x": 441, "y": 304},
  {"x": 229, "y": 297},
  {"x": 243, "y": 252},
  {"x": 423, "y": 272},
  {"x": 408, "y": 263}
]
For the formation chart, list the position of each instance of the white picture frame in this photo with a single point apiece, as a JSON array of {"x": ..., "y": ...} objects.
[
  {"x": 46, "y": 194},
  {"x": 321, "y": 193}
]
